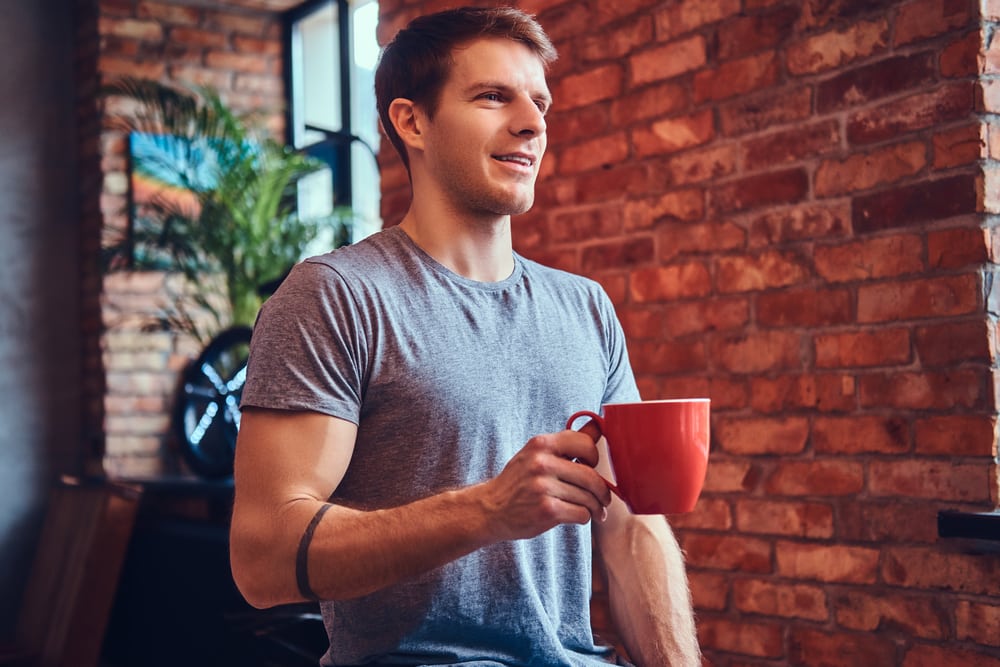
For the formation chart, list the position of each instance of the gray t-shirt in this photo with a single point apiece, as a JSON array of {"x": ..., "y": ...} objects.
[{"x": 446, "y": 378}]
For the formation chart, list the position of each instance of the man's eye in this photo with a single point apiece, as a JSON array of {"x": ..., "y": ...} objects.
[{"x": 492, "y": 97}]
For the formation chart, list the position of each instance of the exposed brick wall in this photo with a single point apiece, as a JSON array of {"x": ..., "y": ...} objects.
[
  {"x": 791, "y": 205},
  {"x": 239, "y": 54}
]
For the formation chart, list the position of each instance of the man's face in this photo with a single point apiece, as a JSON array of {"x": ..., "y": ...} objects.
[{"x": 485, "y": 143}]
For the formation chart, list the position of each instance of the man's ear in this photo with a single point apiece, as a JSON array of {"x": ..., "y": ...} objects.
[{"x": 408, "y": 120}]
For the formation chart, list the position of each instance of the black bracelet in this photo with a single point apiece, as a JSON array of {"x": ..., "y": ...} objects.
[{"x": 302, "y": 557}]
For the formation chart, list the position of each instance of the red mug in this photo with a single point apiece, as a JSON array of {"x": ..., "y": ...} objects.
[{"x": 658, "y": 451}]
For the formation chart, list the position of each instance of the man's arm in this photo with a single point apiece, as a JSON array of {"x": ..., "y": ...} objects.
[
  {"x": 647, "y": 588},
  {"x": 289, "y": 463}
]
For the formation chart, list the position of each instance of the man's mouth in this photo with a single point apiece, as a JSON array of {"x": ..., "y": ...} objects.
[{"x": 517, "y": 158}]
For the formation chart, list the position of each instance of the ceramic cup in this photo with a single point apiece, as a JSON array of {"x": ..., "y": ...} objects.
[{"x": 658, "y": 450}]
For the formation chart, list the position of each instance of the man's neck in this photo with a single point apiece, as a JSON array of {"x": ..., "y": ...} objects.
[{"x": 476, "y": 248}]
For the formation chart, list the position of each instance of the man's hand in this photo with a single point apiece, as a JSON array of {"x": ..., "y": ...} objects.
[{"x": 551, "y": 481}]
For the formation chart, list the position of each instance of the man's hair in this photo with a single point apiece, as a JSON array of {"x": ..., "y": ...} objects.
[{"x": 416, "y": 63}]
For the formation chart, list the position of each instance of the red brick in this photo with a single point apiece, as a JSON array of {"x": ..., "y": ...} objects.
[
  {"x": 731, "y": 553},
  {"x": 860, "y": 434},
  {"x": 911, "y": 204},
  {"x": 833, "y": 563},
  {"x": 668, "y": 356},
  {"x": 736, "y": 77},
  {"x": 261, "y": 47},
  {"x": 667, "y": 61},
  {"x": 767, "y": 109},
  {"x": 748, "y": 34},
  {"x": 769, "y": 269},
  {"x": 757, "y": 352},
  {"x": 616, "y": 254},
  {"x": 748, "y": 437},
  {"x": 866, "y": 170},
  {"x": 574, "y": 224},
  {"x": 685, "y": 238},
  {"x": 240, "y": 62},
  {"x": 960, "y": 58},
  {"x": 566, "y": 127},
  {"x": 923, "y": 19},
  {"x": 649, "y": 102},
  {"x": 964, "y": 388},
  {"x": 775, "y": 517},
  {"x": 925, "y": 655},
  {"x": 882, "y": 257},
  {"x": 616, "y": 43},
  {"x": 166, "y": 13},
  {"x": 263, "y": 84},
  {"x": 742, "y": 636},
  {"x": 957, "y": 248},
  {"x": 595, "y": 85},
  {"x": 931, "y": 297},
  {"x": 709, "y": 163},
  {"x": 756, "y": 596},
  {"x": 820, "y": 13},
  {"x": 823, "y": 392},
  {"x": 594, "y": 153},
  {"x": 709, "y": 591},
  {"x": 957, "y": 435},
  {"x": 684, "y": 17},
  {"x": 704, "y": 315},
  {"x": 668, "y": 283},
  {"x": 883, "y": 347},
  {"x": 730, "y": 476},
  {"x": 708, "y": 514},
  {"x": 932, "y": 568},
  {"x": 113, "y": 68},
  {"x": 865, "y": 83},
  {"x": 933, "y": 480},
  {"x": 779, "y": 187},
  {"x": 892, "y": 120},
  {"x": 793, "y": 145},
  {"x": 916, "y": 616},
  {"x": 826, "y": 477},
  {"x": 198, "y": 38},
  {"x": 818, "y": 648},
  {"x": 685, "y": 205},
  {"x": 801, "y": 222},
  {"x": 833, "y": 49},
  {"x": 674, "y": 134},
  {"x": 951, "y": 342},
  {"x": 245, "y": 24},
  {"x": 146, "y": 31},
  {"x": 627, "y": 178},
  {"x": 979, "y": 622},
  {"x": 804, "y": 308},
  {"x": 886, "y": 520}
]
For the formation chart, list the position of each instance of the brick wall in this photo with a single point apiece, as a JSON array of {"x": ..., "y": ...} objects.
[
  {"x": 791, "y": 205},
  {"x": 239, "y": 54}
]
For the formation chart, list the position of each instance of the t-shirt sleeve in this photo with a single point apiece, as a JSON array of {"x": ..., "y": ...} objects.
[
  {"x": 307, "y": 352},
  {"x": 621, "y": 386}
]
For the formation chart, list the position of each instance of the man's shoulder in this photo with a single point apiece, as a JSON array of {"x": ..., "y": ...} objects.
[{"x": 561, "y": 279}]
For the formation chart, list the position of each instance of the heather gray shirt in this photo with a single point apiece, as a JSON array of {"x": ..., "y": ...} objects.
[{"x": 446, "y": 378}]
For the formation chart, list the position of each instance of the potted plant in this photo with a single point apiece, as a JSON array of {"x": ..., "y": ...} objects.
[{"x": 218, "y": 205}]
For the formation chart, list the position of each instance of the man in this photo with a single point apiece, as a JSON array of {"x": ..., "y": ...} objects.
[{"x": 402, "y": 456}]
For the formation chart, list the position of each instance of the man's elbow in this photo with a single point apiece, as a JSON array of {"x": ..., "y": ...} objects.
[{"x": 255, "y": 575}]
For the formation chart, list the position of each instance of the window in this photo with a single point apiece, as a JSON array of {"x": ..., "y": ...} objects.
[{"x": 332, "y": 54}]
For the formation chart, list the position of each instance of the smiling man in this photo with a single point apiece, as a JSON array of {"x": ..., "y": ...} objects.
[{"x": 402, "y": 457}]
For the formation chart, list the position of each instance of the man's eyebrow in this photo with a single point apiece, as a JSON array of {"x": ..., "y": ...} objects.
[{"x": 505, "y": 88}]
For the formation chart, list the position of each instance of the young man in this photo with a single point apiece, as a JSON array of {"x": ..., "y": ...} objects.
[{"x": 402, "y": 456}]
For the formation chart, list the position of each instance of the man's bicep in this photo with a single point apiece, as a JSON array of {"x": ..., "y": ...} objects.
[{"x": 292, "y": 455}]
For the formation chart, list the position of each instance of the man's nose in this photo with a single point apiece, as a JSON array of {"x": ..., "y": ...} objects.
[{"x": 528, "y": 119}]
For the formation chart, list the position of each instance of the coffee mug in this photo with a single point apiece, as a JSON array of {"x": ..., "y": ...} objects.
[{"x": 658, "y": 451}]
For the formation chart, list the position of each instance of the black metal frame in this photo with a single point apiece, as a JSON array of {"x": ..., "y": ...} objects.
[{"x": 335, "y": 147}]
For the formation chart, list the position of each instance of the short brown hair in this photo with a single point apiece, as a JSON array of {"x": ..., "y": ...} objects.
[{"x": 416, "y": 63}]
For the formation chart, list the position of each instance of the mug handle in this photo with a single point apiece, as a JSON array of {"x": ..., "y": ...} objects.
[{"x": 599, "y": 421}]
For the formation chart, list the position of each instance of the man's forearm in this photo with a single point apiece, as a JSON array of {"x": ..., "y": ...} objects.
[{"x": 648, "y": 591}]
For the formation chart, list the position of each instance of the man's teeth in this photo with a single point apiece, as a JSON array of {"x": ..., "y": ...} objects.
[{"x": 513, "y": 158}]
